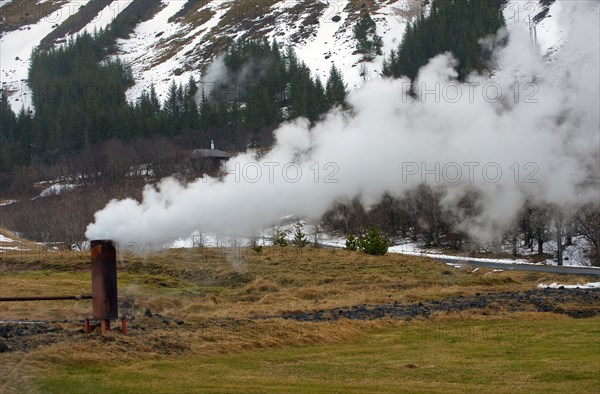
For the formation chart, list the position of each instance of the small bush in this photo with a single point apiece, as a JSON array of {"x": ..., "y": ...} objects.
[
  {"x": 351, "y": 242},
  {"x": 279, "y": 237},
  {"x": 300, "y": 239},
  {"x": 373, "y": 243}
]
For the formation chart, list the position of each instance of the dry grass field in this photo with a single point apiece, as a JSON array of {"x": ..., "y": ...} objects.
[{"x": 234, "y": 320}]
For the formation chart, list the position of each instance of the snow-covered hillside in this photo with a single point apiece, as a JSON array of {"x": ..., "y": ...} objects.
[{"x": 181, "y": 37}]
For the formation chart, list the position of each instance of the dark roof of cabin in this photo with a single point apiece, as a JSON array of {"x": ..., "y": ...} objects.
[{"x": 217, "y": 153}]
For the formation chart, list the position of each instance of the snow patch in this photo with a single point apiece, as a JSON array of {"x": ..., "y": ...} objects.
[
  {"x": 550, "y": 33},
  {"x": 16, "y": 47},
  {"x": 106, "y": 16},
  {"x": 423, "y": 253},
  {"x": 201, "y": 240},
  {"x": 56, "y": 189},
  {"x": 334, "y": 44},
  {"x": 589, "y": 285},
  {"x": 3, "y": 248},
  {"x": 491, "y": 272},
  {"x": 143, "y": 46},
  {"x": 5, "y": 239}
]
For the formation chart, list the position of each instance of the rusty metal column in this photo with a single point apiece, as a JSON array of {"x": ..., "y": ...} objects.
[{"x": 104, "y": 280}]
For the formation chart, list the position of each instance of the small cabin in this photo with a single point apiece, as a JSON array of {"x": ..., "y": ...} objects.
[{"x": 211, "y": 160}]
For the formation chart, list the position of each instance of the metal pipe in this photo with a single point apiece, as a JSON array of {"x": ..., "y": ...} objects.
[
  {"x": 104, "y": 280},
  {"x": 48, "y": 298}
]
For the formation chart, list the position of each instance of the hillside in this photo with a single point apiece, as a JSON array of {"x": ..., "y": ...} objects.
[
  {"x": 10, "y": 242},
  {"x": 150, "y": 64},
  {"x": 171, "y": 40},
  {"x": 299, "y": 196}
]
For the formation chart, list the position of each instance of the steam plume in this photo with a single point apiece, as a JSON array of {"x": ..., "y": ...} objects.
[{"x": 542, "y": 118}]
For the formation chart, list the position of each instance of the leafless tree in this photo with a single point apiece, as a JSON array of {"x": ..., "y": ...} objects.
[{"x": 588, "y": 223}]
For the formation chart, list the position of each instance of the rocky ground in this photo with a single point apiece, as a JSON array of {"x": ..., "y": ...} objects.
[{"x": 576, "y": 303}]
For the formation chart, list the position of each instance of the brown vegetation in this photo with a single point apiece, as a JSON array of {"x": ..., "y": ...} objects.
[
  {"x": 199, "y": 284},
  {"x": 20, "y": 13},
  {"x": 193, "y": 303}
]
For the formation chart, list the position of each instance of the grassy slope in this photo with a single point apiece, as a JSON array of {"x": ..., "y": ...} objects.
[
  {"x": 208, "y": 283},
  {"x": 222, "y": 348},
  {"x": 518, "y": 355}
]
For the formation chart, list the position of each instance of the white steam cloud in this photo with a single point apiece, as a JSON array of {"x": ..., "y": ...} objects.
[
  {"x": 530, "y": 132},
  {"x": 217, "y": 74},
  {"x": 214, "y": 74}
]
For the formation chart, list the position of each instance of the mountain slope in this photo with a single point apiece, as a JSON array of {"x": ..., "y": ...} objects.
[{"x": 175, "y": 39}]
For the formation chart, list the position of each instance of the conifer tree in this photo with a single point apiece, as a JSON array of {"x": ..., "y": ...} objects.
[
  {"x": 9, "y": 149},
  {"x": 373, "y": 243},
  {"x": 335, "y": 90},
  {"x": 171, "y": 112},
  {"x": 452, "y": 25},
  {"x": 316, "y": 102},
  {"x": 369, "y": 43},
  {"x": 301, "y": 85},
  {"x": 154, "y": 101},
  {"x": 299, "y": 239},
  {"x": 72, "y": 119},
  {"x": 190, "y": 108}
]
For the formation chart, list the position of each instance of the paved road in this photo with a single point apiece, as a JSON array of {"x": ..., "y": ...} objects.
[{"x": 525, "y": 267}]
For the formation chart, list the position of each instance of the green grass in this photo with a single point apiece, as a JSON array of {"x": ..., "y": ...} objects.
[
  {"x": 223, "y": 347},
  {"x": 522, "y": 354}
]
